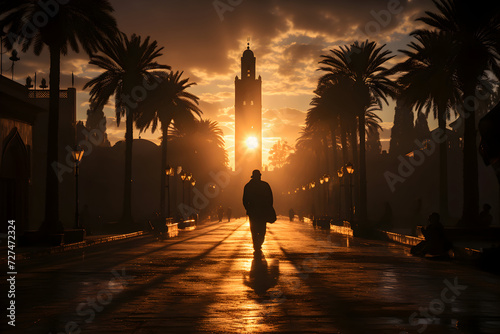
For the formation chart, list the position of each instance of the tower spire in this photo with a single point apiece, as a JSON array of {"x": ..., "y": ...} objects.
[{"x": 248, "y": 116}]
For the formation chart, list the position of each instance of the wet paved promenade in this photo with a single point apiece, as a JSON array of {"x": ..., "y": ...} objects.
[{"x": 207, "y": 281}]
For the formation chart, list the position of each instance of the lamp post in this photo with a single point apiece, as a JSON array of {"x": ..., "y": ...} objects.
[
  {"x": 350, "y": 170},
  {"x": 321, "y": 181},
  {"x": 168, "y": 172},
  {"x": 193, "y": 183},
  {"x": 77, "y": 155},
  {"x": 326, "y": 180},
  {"x": 14, "y": 58},
  {"x": 340, "y": 174},
  {"x": 312, "y": 185},
  {"x": 183, "y": 178}
]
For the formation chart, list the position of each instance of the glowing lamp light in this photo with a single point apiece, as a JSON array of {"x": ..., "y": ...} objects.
[
  {"x": 340, "y": 172},
  {"x": 169, "y": 171},
  {"x": 252, "y": 142},
  {"x": 349, "y": 167},
  {"x": 77, "y": 154}
]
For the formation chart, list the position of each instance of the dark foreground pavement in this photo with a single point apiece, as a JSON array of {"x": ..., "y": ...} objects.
[{"x": 206, "y": 280}]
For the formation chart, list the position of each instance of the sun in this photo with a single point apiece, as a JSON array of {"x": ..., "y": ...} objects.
[{"x": 252, "y": 142}]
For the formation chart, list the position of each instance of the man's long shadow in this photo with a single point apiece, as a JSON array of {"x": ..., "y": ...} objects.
[{"x": 262, "y": 277}]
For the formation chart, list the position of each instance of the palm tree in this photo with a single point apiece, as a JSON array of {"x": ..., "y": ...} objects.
[
  {"x": 322, "y": 116},
  {"x": 332, "y": 106},
  {"x": 198, "y": 147},
  {"x": 169, "y": 102},
  {"x": 429, "y": 81},
  {"x": 200, "y": 140},
  {"x": 475, "y": 27},
  {"x": 77, "y": 23},
  {"x": 314, "y": 138},
  {"x": 130, "y": 66},
  {"x": 362, "y": 64}
]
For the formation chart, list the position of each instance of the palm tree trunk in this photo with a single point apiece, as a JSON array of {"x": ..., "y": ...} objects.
[
  {"x": 162, "y": 175},
  {"x": 51, "y": 224},
  {"x": 324, "y": 144},
  {"x": 443, "y": 167},
  {"x": 343, "y": 140},
  {"x": 345, "y": 158},
  {"x": 354, "y": 143},
  {"x": 470, "y": 169},
  {"x": 335, "y": 161},
  {"x": 127, "y": 194},
  {"x": 333, "y": 134},
  {"x": 355, "y": 162},
  {"x": 362, "y": 205}
]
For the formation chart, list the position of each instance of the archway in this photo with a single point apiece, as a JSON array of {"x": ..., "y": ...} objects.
[{"x": 14, "y": 183}]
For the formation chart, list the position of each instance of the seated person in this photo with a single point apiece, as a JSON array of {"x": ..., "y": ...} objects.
[{"x": 435, "y": 242}]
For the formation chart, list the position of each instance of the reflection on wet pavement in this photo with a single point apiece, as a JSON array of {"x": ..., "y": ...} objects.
[
  {"x": 262, "y": 277},
  {"x": 207, "y": 280}
]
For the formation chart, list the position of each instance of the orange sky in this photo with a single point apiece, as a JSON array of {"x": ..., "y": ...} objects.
[{"x": 205, "y": 39}]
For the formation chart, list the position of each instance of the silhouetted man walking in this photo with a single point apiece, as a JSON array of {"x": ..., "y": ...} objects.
[{"x": 258, "y": 202}]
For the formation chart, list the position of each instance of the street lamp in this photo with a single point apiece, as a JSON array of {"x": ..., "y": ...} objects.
[
  {"x": 183, "y": 176},
  {"x": 349, "y": 167},
  {"x": 350, "y": 170},
  {"x": 77, "y": 155},
  {"x": 326, "y": 179},
  {"x": 168, "y": 172},
  {"x": 14, "y": 58},
  {"x": 193, "y": 183},
  {"x": 340, "y": 174}
]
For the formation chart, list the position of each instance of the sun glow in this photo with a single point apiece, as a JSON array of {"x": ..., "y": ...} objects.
[{"x": 252, "y": 142}]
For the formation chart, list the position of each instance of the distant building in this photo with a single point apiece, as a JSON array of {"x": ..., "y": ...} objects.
[
  {"x": 23, "y": 150},
  {"x": 248, "y": 117}
]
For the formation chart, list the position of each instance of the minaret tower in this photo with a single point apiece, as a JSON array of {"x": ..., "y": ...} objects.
[{"x": 248, "y": 116}]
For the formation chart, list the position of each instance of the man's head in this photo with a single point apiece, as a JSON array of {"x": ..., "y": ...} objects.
[{"x": 256, "y": 174}]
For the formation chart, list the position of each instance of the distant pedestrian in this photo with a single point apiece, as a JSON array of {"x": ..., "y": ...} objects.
[
  {"x": 291, "y": 214},
  {"x": 220, "y": 213},
  {"x": 258, "y": 202},
  {"x": 229, "y": 214},
  {"x": 485, "y": 217}
]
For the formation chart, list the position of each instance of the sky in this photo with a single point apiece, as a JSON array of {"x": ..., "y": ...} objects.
[{"x": 206, "y": 39}]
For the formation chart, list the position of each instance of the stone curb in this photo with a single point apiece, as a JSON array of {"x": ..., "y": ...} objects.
[
  {"x": 409, "y": 240},
  {"x": 77, "y": 245}
]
